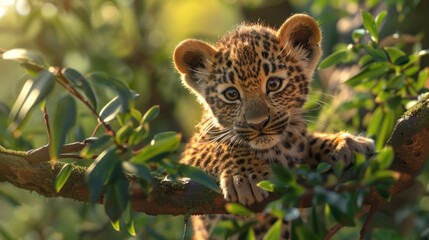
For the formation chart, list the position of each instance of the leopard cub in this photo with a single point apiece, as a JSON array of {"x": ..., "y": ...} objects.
[{"x": 253, "y": 84}]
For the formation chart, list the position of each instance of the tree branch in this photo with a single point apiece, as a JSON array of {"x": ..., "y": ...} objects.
[{"x": 34, "y": 171}]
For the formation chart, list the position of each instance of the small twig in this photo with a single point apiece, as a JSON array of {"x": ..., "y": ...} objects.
[
  {"x": 185, "y": 228},
  {"x": 337, "y": 227},
  {"x": 372, "y": 209},
  {"x": 333, "y": 230},
  {"x": 48, "y": 126},
  {"x": 65, "y": 83},
  {"x": 95, "y": 130}
]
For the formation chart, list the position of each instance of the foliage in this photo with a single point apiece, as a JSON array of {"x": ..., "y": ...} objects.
[
  {"x": 76, "y": 102},
  {"x": 389, "y": 79},
  {"x": 111, "y": 155}
]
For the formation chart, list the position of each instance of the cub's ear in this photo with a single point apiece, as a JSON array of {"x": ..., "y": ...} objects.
[
  {"x": 301, "y": 30},
  {"x": 192, "y": 59}
]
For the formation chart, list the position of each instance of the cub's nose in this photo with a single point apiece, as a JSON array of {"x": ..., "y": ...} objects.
[{"x": 258, "y": 124}]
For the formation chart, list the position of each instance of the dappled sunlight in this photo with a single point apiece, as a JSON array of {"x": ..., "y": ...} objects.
[
  {"x": 49, "y": 10},
  {"x": 23, "y": 7},
  {"x": 4, "y": 6},
  {"x": 110, "y": 13},
  {"x": 130, "y": 43}
]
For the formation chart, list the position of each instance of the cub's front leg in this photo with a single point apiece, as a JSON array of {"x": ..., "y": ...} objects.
[{"x": 342, "y": 146}]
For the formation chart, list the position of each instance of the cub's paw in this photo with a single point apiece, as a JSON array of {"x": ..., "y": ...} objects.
[
  {"x": 241, "y": 187},
  {"x": 346, "y": 145}
]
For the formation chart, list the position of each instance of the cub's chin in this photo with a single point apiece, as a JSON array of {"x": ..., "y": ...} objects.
[{"x": 263, "y": 142}]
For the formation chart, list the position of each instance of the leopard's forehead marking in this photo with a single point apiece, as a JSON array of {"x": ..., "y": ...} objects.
[{"x": 248, "y": 55}]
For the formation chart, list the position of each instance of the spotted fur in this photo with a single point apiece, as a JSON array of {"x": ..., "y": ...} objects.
[{"x": 253, "y": 84}]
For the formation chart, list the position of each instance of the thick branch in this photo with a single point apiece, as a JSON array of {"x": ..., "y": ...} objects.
[{"x": 35, "y": 172}]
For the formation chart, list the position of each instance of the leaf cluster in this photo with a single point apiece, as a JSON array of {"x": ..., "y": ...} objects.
[{"x": 125, "y": 151}]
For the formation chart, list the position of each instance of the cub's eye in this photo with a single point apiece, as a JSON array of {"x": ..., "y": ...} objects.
[
  {"x": 274, "y": 84},
  {"x": 231, "y": 94}
]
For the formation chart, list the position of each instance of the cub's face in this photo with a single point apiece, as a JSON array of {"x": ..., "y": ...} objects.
[{"x": 254, "y": 80}]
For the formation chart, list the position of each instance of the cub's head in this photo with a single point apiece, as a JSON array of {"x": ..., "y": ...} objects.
[{"x": 255, "y": 80}]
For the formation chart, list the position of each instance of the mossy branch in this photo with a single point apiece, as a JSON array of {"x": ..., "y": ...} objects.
[{"x": 34, "y": 171}]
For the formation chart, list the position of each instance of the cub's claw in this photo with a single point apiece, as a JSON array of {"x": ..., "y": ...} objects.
[
  {"x": 242, "y": 188},
  {"x": 348, "y": 145}
]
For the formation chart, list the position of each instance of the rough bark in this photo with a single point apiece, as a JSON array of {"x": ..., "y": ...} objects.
[{"x": 34, "y": 171}]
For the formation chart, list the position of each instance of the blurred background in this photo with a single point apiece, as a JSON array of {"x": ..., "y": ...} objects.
[{"x": 133, "y": 40}]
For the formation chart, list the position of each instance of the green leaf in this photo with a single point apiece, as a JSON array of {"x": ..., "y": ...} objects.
[
  {"x": 32, "y": 93},
  {"x": 32, "y": 69},
  {"x": 276, "y": 208},
  {"x": 116, "y": 197},
  {"x": 342, "y": 217},
  {"x": 99, "y": 172},
  {"x": 251, "y": 235},
  {"x": 385, "y": 176},
  {"x": 343, "y": 209},
  {"x": 112, "y": 108},
  {"x": 139, "y": 134},
  {"x": 283, "y": 173},
  {"x": 412, "y": 70},
  {"x": 323, "y": 167},
  {"x": 369, "y": 24},
  {"x": 24, "y": 56},
  {"x": 385, "y": 129},
  {"x": 357, "y": 34},
  {"x": 238, "y": 209},
  {"x": 139, "y": 170},
  {"x": 376, "y": 121},
  {"x": 370, "y": 72},
  {"x": 402, "y": 60},
  {"x": 127, "y": 215},
  {"x": 396, "y": 83},
  {"x": 124, "y": 133},
  {"x": 64, "y": 120},
  {"x": 422, "y": 78},
  {"x": 94, "y": 144},
  {"x": 199, "y": 176},
  {"x": 379, "y": 19},
  {"x": 162, "y": 143},
  {"x": 150, "y": 114},
  {"x": 124, "y": 94},
  {"x": 385, "y": 157},
  {"x": 266, "y": 185},
  {"x": 377, "y": 53},
  {"x": 80, "y": 82},
  {"x": 274, "y": 233},
  {"x": 131, "y": 229},
  {"x": 316, "y": 223},
  {"x": 394, "y": 53},
  {"x": 116, "y": 225},
  {"x": 303, "y": 233},
  {"x": 62, "y": 177},
  {"x": 333, "y": 59}
]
